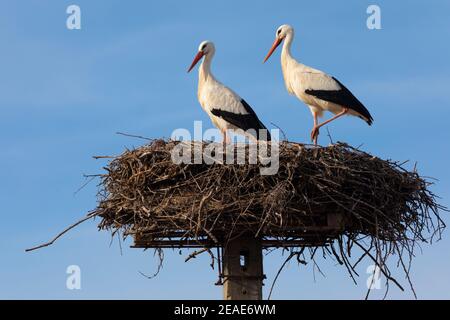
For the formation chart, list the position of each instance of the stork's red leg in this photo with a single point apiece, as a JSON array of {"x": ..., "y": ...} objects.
[
  {"x": 315, "y": 132},
  {"x": 226, "y": 139},
  {"x": 314, "y": 135}
]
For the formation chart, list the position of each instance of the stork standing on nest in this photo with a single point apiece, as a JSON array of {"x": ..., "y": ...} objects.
[
  {"x": 319, "y": 91},
  {"x": 226, "y": 109}
]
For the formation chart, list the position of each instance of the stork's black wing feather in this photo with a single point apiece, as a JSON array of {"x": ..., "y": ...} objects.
[
  {"x": 344, "y": 98},
  {"x": 243, "y": 121}
]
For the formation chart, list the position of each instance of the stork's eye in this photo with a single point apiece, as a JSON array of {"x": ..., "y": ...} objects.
[
  {"x": 279, "y": 31},
  {"x": 203, "y": 47}
]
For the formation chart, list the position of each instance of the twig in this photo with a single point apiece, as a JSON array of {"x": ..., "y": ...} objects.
[
  {"x": 329, "y": 135},
  {"x": 85, "y": 183},
  {"x": 281, "y": 130},
  {"x": 291, "y": 255},
  {"x": 134, "y": 136},
  {"x": 160, "y": 264},
  {"x": 89, "y": 216},
  {"x": 195, "y": 254}
]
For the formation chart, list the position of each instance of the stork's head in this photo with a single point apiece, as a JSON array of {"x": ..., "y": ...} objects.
[
  {"x": 206, "y": 48},
  {"x": 282, "y": 32}
]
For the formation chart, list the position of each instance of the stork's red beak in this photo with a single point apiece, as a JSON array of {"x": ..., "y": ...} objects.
[
  {"x": 275, "y": 45},
  {"x": 197, "y": 58}
]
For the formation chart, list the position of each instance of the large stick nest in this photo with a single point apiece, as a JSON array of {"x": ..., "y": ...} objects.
[
  {"x": 146, "y": 192},
  {"x": 378, "y": 204}
]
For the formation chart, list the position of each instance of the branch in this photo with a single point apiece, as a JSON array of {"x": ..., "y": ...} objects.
[
  {"x": 89, "y": 216},
  {"x": 133, "y": 136},
  {"x": 195, "y": 254},
  {"x": 291, "y": 255}
]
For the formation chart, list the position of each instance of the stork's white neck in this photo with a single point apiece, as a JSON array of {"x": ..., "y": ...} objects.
[
  {"x": 204, "y": 72},
  {"x": 287, "y": 61},
  {"x": 286, "y": 51}
]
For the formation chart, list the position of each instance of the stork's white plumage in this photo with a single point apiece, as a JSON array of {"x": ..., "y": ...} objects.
[
  {"x": 226, "y": 109},
  {"x": 319, "y": 91}
]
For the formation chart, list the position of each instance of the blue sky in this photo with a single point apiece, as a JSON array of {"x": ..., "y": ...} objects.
[{"x": 64, "y": 93}]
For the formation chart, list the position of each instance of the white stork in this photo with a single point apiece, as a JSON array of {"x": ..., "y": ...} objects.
[
  {"x": 319, "y": 91},
  {"x": 226, "y": 109}
]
